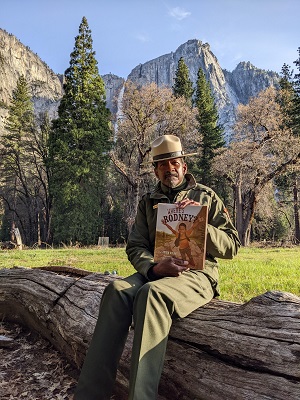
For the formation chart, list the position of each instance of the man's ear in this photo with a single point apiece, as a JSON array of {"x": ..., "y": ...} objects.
[
  {"x": 155, "y": 171},
  {"x": 184, "y": 168}
]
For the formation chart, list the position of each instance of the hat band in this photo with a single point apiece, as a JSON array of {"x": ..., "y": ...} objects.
[{"x": 175, "y": 154}]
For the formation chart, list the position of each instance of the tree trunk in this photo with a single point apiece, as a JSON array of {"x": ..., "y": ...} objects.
[
  {"x": 131, "y": 205},
  {"x": 296, "y": 211},
  {"x": 220, "y": 351},
  {"x": 239, "y": 208},
  {"x": 245, "y": 214},
  {"x": 18, "y": 238}
]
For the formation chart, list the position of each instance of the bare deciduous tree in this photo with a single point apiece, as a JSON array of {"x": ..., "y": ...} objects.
[
  {"x": 262, "y": 148},
  {"x": 148, "y": 112}
]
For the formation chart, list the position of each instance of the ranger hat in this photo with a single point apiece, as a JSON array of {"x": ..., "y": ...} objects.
[{"x": 166, "y": 147}]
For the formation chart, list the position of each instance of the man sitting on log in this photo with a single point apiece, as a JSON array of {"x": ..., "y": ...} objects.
[{"x": 157, "y": 292}]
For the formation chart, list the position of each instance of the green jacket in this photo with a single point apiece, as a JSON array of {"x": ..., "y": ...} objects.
[{"x": 222, "y": 237}]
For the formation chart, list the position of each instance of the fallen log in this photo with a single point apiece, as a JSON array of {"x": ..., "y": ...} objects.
[{"x": 221, "y": 351}]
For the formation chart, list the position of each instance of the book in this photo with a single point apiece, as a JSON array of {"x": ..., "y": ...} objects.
[{"x": 181, "y": 233}]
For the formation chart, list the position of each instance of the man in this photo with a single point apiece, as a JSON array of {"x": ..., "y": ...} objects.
[{"x": 158, "y": 292}]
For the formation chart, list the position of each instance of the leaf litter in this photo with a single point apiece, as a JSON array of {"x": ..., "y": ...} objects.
[{"x": 31, "y": 368}]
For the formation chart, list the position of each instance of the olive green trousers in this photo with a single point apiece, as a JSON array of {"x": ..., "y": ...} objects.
[{"x": 152, "y": 306}]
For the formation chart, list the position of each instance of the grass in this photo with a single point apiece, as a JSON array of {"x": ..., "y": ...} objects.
[
  {"x": 92, "y": 259},
  {"x": 257, "y": 270},
  {"x": 252, "y": 272}
]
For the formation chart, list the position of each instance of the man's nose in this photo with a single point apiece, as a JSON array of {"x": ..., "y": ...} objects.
[{"x": 169, "y": 166}]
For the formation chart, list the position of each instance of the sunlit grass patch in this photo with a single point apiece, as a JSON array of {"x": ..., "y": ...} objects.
[{"x": 252, "y": 272}]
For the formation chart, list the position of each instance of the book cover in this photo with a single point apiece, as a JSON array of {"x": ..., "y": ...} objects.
[{"x": 181, "y": 233}]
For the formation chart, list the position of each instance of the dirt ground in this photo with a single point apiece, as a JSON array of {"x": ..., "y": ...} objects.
[{"x": 31, "y": 368}]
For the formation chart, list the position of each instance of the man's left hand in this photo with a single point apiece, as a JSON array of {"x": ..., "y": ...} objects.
[{"x": 187, "y": 202}]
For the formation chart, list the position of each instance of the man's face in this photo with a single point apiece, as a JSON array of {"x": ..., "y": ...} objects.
[{"x": 171, "y": 172}]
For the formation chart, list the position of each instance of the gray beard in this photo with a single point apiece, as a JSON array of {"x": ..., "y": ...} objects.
[{"x": 172, "y": 182}]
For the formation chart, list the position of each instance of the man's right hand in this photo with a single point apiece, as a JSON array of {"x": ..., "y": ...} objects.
[{"x": 170, "y": 267}]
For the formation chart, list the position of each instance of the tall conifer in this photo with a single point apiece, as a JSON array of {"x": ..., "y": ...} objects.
[
  {"x": 296, "y": 130},
  {"x": 20, "y": 186},
  {"x": 211, "y": 131},
  {"x": 296, "y": 108},
  {"x": 13, "y": 161},
  {"x": 79, "y": 143},
  {"x": 183, "y": 86},
  {"x": 286, "y": 96},
  {"x": 20, "y": 117}
]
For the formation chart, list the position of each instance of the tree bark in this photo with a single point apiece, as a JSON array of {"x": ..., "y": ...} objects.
[
  {"x": 296, "y": 211},
  {"x": 221, "y": 351}
]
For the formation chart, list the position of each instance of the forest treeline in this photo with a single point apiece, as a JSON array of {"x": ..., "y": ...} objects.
[{"x": 79, "y": 177}]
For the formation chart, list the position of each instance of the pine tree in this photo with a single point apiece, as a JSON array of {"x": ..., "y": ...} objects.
[
  {"x": 210, "y": 130},
  {"x": 18, "y": 186},
  {"x": 78, "y": 147},
  {"x": 21, "y": 117},
  {"x": 183, "y": 86},
  {"x": 288, "y": 182},
  {"x": 296, "y": 106},
  {"x": 296, "y": 131},
  {"x": 286, "y": 94}
]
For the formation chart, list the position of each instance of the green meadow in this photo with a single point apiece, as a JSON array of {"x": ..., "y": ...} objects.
[
  {"x": 252, "y": 272},
  {"x": 257, "y": 270}
]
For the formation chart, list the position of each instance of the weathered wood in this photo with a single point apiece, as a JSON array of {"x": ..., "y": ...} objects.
[{"x": 221, "y": 351}]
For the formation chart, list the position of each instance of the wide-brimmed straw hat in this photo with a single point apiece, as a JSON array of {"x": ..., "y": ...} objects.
[{"x": 166, "y": 147}]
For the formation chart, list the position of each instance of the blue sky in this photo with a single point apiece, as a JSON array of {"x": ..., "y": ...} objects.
[{"x": 129, "y": 32}]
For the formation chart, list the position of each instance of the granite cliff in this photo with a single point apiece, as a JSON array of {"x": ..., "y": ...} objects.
[
  {"x": 229, "y": 88},
  {"x": 17, "y": 59}
]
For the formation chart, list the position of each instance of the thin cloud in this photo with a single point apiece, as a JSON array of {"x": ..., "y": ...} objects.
[
  {"x": 238, "y": 57},
  {"x": 142, "y": 38},
  {"x": 179, "y": 13}
]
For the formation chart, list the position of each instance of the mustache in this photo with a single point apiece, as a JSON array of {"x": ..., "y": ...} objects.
[{"x": 170, "y": 174}]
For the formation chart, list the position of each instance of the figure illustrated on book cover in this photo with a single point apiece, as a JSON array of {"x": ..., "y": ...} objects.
[{"x": 181, "y": 233}]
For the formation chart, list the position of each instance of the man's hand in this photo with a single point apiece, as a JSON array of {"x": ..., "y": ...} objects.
[
  {"x": 170, "y": 266},
  {"x": 186, "y": 202}
]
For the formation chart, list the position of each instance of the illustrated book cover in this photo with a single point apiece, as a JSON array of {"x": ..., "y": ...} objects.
[{"x": 181, "y": 233}]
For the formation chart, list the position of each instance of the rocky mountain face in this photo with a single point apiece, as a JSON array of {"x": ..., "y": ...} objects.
[
  {"x": 229, "y": 88},
  {"x": 247, "y": 81},
  {"x": 114, "y": 88},
  {"x": 16, "y": 60}
]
